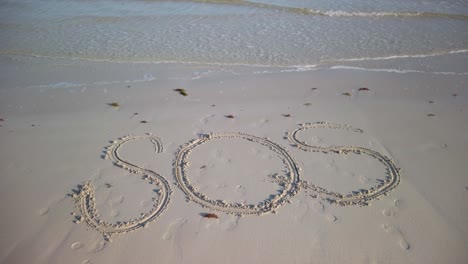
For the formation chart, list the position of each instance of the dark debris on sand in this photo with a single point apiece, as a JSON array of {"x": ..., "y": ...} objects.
[
  {"x": 209, "y": 215},
  {"x": 113, "y": 104},
  {"x": 181, "y": 91}
]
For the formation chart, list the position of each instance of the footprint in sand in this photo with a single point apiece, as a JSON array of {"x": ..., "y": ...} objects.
[
  {"x": 174, "y": 228},
  {"x": 432, "y": 146},
  {"x": 364, "y": 179},
  {"x": 230, "y": 222},
  {"x": 241, "y": 190},
  {"x": 301, "y": 211},
  {"x": 320, "y": 209},
  {"x": 115, "y": 203},
  {"x": 255, "y": 151},
  {"x": 222, "y": 157},
  {"x": 261, "y": 123},
  {"x": 97, "y": 246},
  {"x": 44, "y": 211},
  {"x": 172, "y": 234},
  {"x": 314, "y": 140},
  {"x": 206, "y": 119},
  {"x": 114, "y": 213},
  {"x": 395, "y": 232},
  {"x": 76, "y": 245},
  {"x": 393, "y": 210}
]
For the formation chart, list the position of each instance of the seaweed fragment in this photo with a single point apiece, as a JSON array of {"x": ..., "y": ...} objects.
[
  {"x": 108, "y": 185},
  {"x": 144, "y": 122},
  {"x": 363, "y": 89},
  {"x": 430, "y": 115},
  {"x": 229, "y": 116},
  {"x": 286, "y": 115},
  {"x": 113, "y": 104},
  {"x": 209, "y": 215},
  {"x": 307, "y": 104},
  {"x": 181, "y": 91},
  {"x": 347, "y": 94}
]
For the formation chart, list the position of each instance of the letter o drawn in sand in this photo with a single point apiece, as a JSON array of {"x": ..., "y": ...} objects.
[
  {"x": 391, "y": 180},
  {"x": 290, "y": 186},
  {"x": 85, "y": 199}
]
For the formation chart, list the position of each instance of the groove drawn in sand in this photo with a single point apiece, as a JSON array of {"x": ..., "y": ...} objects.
[
  {"x": 361, "y": 197},
  {"x": 85, "y": 197},
  {"x": 289, "y": 185}
]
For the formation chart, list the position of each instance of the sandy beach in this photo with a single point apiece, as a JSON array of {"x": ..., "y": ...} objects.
[
  {"x": 263, "y": 131},
  {"x": 271, "y": 155}
]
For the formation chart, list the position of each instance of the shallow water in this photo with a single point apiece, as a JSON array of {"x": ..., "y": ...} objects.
[{"x": 265, "y": 32}]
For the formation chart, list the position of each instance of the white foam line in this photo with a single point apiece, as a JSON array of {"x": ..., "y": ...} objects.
[
  {"x": 58, "y": 85},
  {"x": 336, "y": 13},
  {"x": 146, "y": 78},
  {"x": 440, "y": 53},
  {"x": 339, "y": 13},
  {"x": 289, "y": 68},
  {"x": 296, "y": 68},
  {"x": 380, "y": 14},
  {"x": 139, "y": 61},
  {"x": 300, "y": 68},
  {"x": 394, "y": 70},
  {"x": 201, "y": 75}
]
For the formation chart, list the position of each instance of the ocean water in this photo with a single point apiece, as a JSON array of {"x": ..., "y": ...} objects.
[{"x": 283, "y": 33}]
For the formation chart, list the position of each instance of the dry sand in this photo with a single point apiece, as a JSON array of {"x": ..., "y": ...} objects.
[{"x": 295, "y": 166}]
